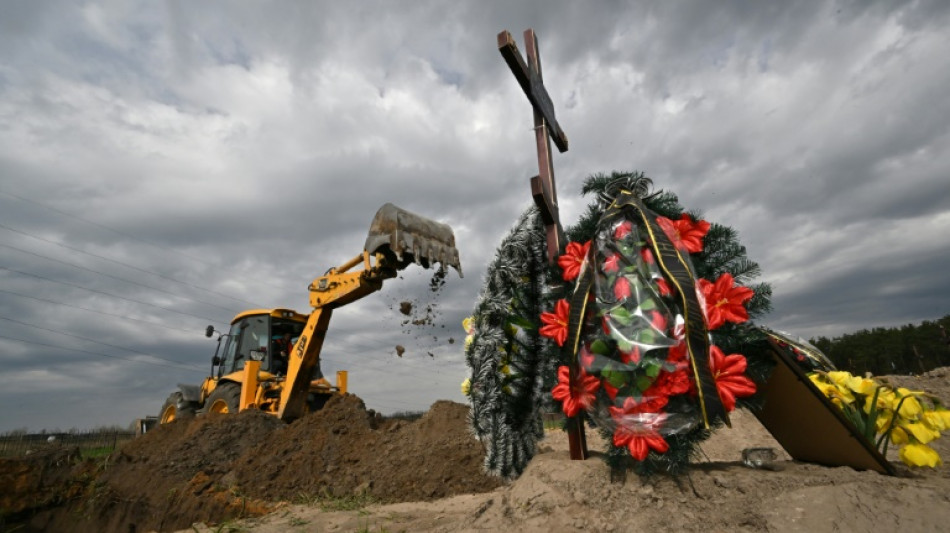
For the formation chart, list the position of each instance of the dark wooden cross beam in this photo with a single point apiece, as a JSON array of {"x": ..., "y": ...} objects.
[
  {"x": 543, "y": 188},
  {"x": 546, "y": 128}
]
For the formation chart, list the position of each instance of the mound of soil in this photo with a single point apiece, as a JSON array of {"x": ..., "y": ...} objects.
[
  {"x": 343, "y": 450},
  {"x": 217, "y": 467}
]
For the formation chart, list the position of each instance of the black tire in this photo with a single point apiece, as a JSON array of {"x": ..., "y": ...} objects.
[
  {"x": 225, "y": 398},
  {"x": 176, "y": 408}
]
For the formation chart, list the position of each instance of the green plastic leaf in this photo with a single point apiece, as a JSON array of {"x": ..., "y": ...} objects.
[
  {"x": 624, "y": 345},
  {"x": 646, "y": 336},
  {"x": 621, "y": 315},
  {"x": 616, "y": 379},
  {"x": 522, "y": 322},
  {"x": 644, "y": 382}
]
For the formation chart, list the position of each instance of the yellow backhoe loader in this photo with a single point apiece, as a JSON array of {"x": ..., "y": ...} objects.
[{"x": 270, "y": 358}]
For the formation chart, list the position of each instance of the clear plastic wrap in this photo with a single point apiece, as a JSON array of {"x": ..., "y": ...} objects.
[{"x": 633, "y": 341}]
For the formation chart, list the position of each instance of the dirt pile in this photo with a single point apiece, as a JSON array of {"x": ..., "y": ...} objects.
[
  {"x": 343, "y": 450},
  {"x": 219, "y": 467}
]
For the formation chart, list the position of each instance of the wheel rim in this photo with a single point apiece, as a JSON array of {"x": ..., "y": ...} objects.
[
  {"x": 169, "y": 414},
  {"x": 219, "y": 406}
]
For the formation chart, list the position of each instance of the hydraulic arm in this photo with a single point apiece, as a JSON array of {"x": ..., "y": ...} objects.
[{"x": 396, "y": 239}]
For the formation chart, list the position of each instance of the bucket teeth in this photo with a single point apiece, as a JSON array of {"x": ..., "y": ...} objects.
[{"x": 425, "y": 241}]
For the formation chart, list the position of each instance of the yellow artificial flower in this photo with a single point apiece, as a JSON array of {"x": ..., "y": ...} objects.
[
  {"x": 920, "y": 455},
  {"x": 819, "y": 381},
  {"x": 898, "y": 436},
  {"x": 468, "y": 340},
  {"x": 831, "y": 390},
  {"x": 885, "y": 401},
  {"x": 938, "y": 419},
  {"x": 920, "y": 431},
  {"x": 883, "y": 421},
  {"x": 863, "y": 386},
  {"x": 469, "y": 325},
  {"x": 505, "y": 369},
  {"x": 466, "y": 386},
  {"x": 839, "y": 377},
  {"x": 910, "y": 408}
]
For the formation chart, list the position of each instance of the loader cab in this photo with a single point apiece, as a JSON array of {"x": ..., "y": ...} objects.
[{"x": 255, "y": 335}]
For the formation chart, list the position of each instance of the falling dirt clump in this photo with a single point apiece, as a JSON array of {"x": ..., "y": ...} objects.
[
  {"x": 400, "y": 349},
  {"x": 438, "y": 279},
  {"x": 405, "y": 307}
]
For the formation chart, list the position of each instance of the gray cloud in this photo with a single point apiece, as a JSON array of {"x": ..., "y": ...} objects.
[{"x": 163, "y": 166}]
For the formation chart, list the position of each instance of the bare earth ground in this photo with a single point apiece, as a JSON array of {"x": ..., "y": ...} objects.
[
  {"x": 205, "y": 474},
  {"x": 719, "y": 494}
]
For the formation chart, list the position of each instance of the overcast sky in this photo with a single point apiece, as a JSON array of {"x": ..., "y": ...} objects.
[{"x": 164, "y": 165}]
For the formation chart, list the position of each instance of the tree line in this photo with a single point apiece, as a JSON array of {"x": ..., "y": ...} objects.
[{"x": 908, "y": 349}]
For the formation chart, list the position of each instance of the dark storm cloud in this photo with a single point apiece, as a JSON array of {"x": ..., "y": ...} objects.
[{"x": 163, "y": 166}]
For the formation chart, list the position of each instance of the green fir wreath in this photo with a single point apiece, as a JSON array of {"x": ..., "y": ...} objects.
[{"x": 510, "y": 362}]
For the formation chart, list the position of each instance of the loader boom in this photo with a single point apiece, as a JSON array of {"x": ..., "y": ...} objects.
[
  {"x": 396, "y": 239},
  {"x": 335, "y": 289}
]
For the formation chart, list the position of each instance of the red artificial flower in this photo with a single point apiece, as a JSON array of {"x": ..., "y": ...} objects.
[
  {"x": 623, "y": 230},
  {"x": 637, "y": 429},
  {"x": 555, "y": 324},
  {"x": 633, "y": 356},
  {"x": 586, "y": 357},
  {"x": 724, "y": 301},
  {"x": 611, "y": 264},
  {"x": 647, "y": 405},
  {"x": 664, "y": 287},
  {"x": 658, "y": 321},
  {"x": 610, "y": 390},
  {"x": 573, "y": 258},
  {"x": 685, "y": 233},
  {"x": 647, "y": 255},
  {"x": 677, "y": 356},
  {"x": 670, "y": 383},
  {"x": 622, "y": 288},
  {"x": 577, "y": 395},
  {"x": 729, "y": 373},
  {"x": 677, "y": 353}
]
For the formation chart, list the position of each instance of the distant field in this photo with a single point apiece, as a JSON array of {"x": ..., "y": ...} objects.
[{"x": 90, "y": 443}]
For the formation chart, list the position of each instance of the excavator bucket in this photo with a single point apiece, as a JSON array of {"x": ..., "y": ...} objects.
[{"x": 411, "y": 237}]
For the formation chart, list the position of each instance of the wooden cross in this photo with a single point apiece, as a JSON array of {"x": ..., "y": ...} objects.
[
  {"x": 543, "y": 188},
  {"x": 546, "y": 128}
]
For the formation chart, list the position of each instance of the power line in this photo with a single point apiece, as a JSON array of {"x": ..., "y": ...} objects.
[
  {"x": 133, "y": 350},
  {"x": 120, "y": 232},
  {"x": 109, "y": 294},
  {"x": 231, "y": 310},
  {"x": 150, "y": 323},
  {"x": 133, "y": 267},
  {"x": 177, "y": 366}
]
